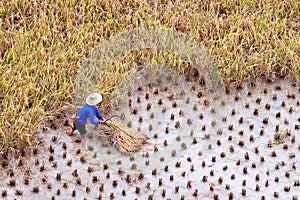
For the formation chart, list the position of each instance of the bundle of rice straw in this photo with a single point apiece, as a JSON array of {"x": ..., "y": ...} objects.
[{"x": 126, "y": 141}]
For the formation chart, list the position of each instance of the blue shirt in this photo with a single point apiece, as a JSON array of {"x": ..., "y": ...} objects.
[{"x": 86, "y": 112}]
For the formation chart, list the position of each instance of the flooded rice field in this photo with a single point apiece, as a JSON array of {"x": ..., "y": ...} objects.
[{"x": 243, "y": 144}]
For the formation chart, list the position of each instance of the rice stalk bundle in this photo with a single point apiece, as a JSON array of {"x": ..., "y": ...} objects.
[{"x": 127, "y": 141}]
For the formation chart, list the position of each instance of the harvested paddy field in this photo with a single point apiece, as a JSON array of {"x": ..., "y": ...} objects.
[
  {"x": 244, "y": 145},
  {"x": 227, "y": 130}
]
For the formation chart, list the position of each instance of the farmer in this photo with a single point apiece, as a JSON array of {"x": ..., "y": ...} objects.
[{"x": 88, "y": 111}]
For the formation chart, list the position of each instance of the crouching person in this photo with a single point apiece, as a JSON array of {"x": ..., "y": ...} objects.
[{"x": 88, "y": 111}]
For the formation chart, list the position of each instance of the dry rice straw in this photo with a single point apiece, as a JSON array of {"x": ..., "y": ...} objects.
[{"x": 126, "y": 141}]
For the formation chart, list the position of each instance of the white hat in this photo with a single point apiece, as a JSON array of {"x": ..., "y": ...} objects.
[{"x": 94, "y": 99}]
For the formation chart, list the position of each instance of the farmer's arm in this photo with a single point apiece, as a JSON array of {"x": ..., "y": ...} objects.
[
  {"x": 98, "y": 115},
  {"x": 91, "y": 117}
]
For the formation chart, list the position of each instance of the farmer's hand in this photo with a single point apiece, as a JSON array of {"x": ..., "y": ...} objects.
[{"x": 102, "y": 121}]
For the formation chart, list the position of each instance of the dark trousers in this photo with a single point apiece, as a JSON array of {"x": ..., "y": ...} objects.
[{"x": 81, "y": 128}]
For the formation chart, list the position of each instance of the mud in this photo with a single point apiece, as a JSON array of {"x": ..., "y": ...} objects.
[{"x": 244, "y": 145}]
